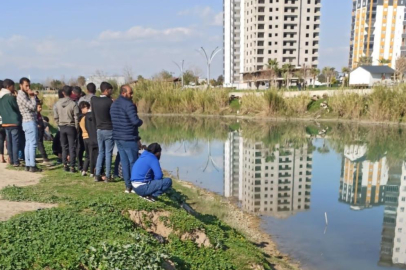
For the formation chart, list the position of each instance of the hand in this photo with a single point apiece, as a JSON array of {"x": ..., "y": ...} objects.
[{"x": 30, "y": 92}]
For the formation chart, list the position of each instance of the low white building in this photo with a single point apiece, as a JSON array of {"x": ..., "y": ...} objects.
[{"x": 370, "y": 75}]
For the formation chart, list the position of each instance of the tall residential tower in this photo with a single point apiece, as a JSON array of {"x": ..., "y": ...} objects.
[
  {"x": 377, "y": 31},
  {"x": 256, "y": 31}
]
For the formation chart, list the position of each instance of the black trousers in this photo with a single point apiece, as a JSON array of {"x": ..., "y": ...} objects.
[
  {"x": 92, "y": 151},
  {"x": 80, "y": 150},
  {"x": 68, "y": 142},
  {"x": 2, "y": 140},
  {"x": 40, "y": 143}
]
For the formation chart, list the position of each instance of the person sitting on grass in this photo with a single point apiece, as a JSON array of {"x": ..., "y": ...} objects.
[{"x": 146, "y": 175}]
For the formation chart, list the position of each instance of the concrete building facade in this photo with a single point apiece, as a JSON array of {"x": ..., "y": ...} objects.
[
  {"x": 378, "y": 31},
  {"x": 256, "y": 31}
]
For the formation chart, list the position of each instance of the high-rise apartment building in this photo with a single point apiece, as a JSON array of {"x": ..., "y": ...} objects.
[
  {"x": 378, "y": 31},
  {"x": 258, "y": 30}
]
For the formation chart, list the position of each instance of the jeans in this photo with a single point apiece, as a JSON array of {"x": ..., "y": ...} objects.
[
  {"x": 92, "y": 152},
  {"x": 128, "y": 155},
  {"x": 31, "y": 137},
  {"x": 68, "y": 141},
  {"x": 154, "y": 188},
  {"x": 41, "y": 147},
  {"x": 13, "y": 141},
  {"x": 117, "y": 165},
  {"x": 106, "y": 145}
]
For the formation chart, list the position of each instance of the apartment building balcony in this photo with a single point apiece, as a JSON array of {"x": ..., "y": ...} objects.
[
  {"x": 289, "y": 26},
  {"x": 318, "y": 3},
  {"x": 284, "y": 189},
  {"x": 307, "y": 193},
  {"x": 317, "y": 11},
  {"x": 283, "y": 209},
  {"x": 285, "y": 161},
  {"x": 308, "y": 186},
  {"x": 285, "y": 168},
  {"x": 261, "y": 26},
  {"x": 261, "y": 18},
  {"x": 283, "y": 203},
  {"x": 316, "y": 35},
  {"x": 284, "y": 153},
  {"x": 309, "y": 166},
  {"x": 291, "y": 10},
  {"x": 307, "y": 207},
  {"x": 291, "y": 3},
  {"x": 284, "y": 182},
  {"x": 284, "y": 175},
  {"x": 284, "y": 196},
  {"x": 261, "y": 9},
  {"x": 289, "y": 43},
  {"x": 288, "y": 60},
  {"x": 308, "y": 173},
  {"x": 308, "y": 180},
  {"x": 309, "y": 159},
  {"x": 307, "y": 200}
]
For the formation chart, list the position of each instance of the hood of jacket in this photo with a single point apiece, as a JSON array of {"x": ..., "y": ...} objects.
[
  {"x": 65, "y": 101},
  {"x": 4, "y": 92}
]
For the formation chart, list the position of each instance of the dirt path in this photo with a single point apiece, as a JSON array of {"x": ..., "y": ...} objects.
[{"x": 20, "y": 179}]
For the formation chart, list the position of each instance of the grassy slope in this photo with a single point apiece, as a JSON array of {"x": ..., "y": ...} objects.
[{"x": 89, "y": 229}]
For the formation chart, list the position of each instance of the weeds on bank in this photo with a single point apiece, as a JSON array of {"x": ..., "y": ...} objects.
[{"x": 91, "y": 230}]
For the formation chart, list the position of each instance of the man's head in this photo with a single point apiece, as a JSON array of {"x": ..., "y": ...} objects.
[
  {"x": 9, "y": 85},
  {"x": 106, "y": 89},
  {"x": 126, "y": 91},
  {"x": 76, "y": 93},
  {"x": 60, "y": 94},
  {"x": 84, "y": 107},
  {"x": 25, "y": 84},
  {"x": 155, "y": 149},
  {"x": 91, "y": 88},
  {"x": 67, "y": 91}
]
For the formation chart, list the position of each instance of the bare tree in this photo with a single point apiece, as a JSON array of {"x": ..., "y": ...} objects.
[
  {"x": 81, "y": 80},
  {"x": 400, "y": 67},
  {"x": 128, "y": 74},
  {"x": 100, "y": 73}
]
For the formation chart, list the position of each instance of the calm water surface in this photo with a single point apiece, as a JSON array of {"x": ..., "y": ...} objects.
[{"x": 333, "y": 196}]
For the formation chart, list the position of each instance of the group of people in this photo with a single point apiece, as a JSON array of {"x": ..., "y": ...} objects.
[{"x": 88, "y": 128}]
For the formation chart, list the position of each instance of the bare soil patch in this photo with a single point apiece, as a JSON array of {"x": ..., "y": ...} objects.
[{"x": 20, "y": 179}]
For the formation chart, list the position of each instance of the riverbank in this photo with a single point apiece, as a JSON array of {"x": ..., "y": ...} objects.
[{"x": 97, "y": 225}]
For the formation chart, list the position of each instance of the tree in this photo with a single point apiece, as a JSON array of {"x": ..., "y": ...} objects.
[
  {"x": 128, "y": 74},
  {"x": 140, "y": 78},
  {"x": 364, "y": 61},
  {"x": 315, "y": 72},
  {"x": 81, "y": 81},
  {"x": 189, "y": 77},
  {"x": 400, "y": 67},
  {"x": 329, "y": 73},
  {"x": 321, "y": 78},
  {"x": 384, "y": 61},
  {"x": 164, "y": 75},
  {"x": 287, "y": 70},
  {"x": 57, "y": 84},
  {"x": 346, "y": 72},
  {"x": 220, "y": 80},
  {"x": 273, "y": 66},
  {"x": 37, "y": 86}
]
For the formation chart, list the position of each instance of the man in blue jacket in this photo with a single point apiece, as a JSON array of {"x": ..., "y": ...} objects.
[
  {"x": 125, "y": 121},
  {"x": 146, "y": 175}
]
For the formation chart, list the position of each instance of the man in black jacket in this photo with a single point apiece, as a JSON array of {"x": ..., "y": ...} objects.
[{"x": 101, "y": 115}]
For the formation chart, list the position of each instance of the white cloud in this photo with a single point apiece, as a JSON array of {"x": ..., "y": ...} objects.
[
  {"x": 218, "y": 19},
  {"x": 139, "y": 32},
  {"x": 207, "y": 14}
]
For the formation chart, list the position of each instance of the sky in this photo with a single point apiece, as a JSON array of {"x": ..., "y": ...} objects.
[{"x": 66, "y": 38}]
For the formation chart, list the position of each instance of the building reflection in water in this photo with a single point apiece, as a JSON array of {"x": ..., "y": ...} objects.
[
  {"x": 269, "y": 181},
  {"x": 362, "y": 182},
  {"x": 393, "y": 244}
]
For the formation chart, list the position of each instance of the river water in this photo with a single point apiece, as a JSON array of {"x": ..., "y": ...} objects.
[{"x": 333, "y": 196}]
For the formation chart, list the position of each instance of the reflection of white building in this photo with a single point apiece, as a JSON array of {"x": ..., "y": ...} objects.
[
  {"x": 233, "y": 154},
  {"x": 363, "y": 181},
  {"x": 393, "y": 245},
  {"x": 268, "y": 181}
]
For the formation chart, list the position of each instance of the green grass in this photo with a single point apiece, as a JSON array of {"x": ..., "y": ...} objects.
[{"x": 90, "y": 230}]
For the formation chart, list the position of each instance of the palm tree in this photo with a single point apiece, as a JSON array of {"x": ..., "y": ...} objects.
[
  {"x": 384, "y": 61},
  {"x": 287, "y": 69},
  {"x": 346, "y": 71},
  {"x": 273, "y": 65},
  {"x": 328, "y": 72},
  {"x": 314, "y": 73},
  {"x": 364, "y": 61}
]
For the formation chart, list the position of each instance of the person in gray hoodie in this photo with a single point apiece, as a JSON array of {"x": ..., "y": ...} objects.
[{"x": 66, "y": 114}]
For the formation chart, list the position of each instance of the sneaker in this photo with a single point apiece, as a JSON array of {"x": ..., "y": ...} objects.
[
  {"x": 128, "y": 190},
  {"x": 27, "y": 169},
  {"x": 108, "y": 179},
  {"x": 73, "y": 170},
  {"x": 92, "y": 175},
  {"x": 98, "y": 178},
  {"x": 148, "y": 198},
  {"x": 66, "y": 168},
  {"x": 35, "y": 169},
  {"x": 84, "y": 173}
]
